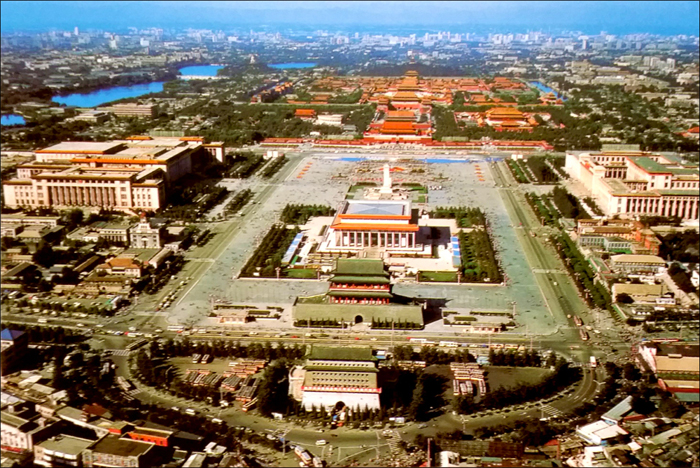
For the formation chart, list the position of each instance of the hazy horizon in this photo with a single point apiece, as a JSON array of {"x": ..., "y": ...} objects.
[{"x": 662, "y": 18}]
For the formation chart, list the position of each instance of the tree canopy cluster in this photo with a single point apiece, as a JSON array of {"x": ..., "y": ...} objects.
[
  {"x": 594, "y": 292},
  {"x": 568, "y": 205},
  {"x": 268, "y": 255},
  {"x": 300, "y": 214},
  {"x": 681, "y": 246},
  {"x": 479, "y": 261},
  {"x": 466, "y": 217}
]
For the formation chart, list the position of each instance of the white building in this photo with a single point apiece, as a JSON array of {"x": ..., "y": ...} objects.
[
  {"x": 638, "y": 184},
  {"x": 145, "y": 236},
  {"x": 121, "y": 175},
  {"x": 335, "y": 120},
  {"x": 335, "y": 375}
]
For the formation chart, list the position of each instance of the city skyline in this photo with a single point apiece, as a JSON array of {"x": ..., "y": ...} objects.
[{"x": 661, "y": 18}]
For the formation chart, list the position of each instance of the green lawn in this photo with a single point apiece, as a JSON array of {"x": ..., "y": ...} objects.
[
  {"x": 304, "y": 273},
  {"x": 439, "y": 276}
]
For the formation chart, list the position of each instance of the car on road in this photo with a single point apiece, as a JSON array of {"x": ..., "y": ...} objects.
[{"x": 321, "y": 442}]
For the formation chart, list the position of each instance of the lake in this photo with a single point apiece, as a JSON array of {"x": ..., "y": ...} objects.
[
  {"x": 12, "y": 119},
  {"x": 546, "y": 89},
  {"x": 201, "y": 70},
  {"x": 285, "y": 66},
  {"x": 104, "y": 96}
]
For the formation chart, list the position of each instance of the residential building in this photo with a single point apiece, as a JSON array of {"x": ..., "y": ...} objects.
[
  {"x": 21, "y": 427},
  {"x": 676, "y": 365},
  {"x": 158, "y": 437},
  {"x": 600, "y": 432},
  {"x": 93, "y": 116},
  {"x": 638, "y": 183},
  {"x": 121, "y": 266},
  {"x": 635, "y": 264},
  {"x": 61, "y": 450},
  {"x": 657, "y": 294},
  {"x": 14, "y": 344},
  {"x": 24, "y": 219},
  {"x": 113, "y": 232},
  {"x": 101, "y": 426},
  {"x": 132, "y": 110},
  {"x": 112, "y": 451},
  {"x": 334, "y": 376}
]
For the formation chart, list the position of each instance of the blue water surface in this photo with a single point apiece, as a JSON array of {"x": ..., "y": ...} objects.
[
  {"x": 431, "y": 160},
  {"x": 106, "y": 95},
  {"x": 546, "y": 89},
  {"x": 284, "y": 66},
  {"x": 12, "y": 119},
  {"x": 201, "y": 70}
]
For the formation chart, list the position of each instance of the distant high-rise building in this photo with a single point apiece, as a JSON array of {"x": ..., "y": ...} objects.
[
  {"x": 76, "y": 31},
  {"x": 584, "y": 44}
]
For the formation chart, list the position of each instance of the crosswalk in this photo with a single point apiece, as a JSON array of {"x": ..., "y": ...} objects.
[
  {"x": 119, "y": 352},
  {"x": 551, "y": 411},
  {"x": 393, "y": 439},
  {"x": 129, "y": 396}
]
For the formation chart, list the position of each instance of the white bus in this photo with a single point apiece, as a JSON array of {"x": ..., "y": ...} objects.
[
  {"x": 176, "y": 328},
  {"x": 448, "y": 344},
  {"x": 418, "y": 340}
]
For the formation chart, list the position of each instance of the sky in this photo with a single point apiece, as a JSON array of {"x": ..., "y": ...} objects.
[{"x": 660, "y": 17}]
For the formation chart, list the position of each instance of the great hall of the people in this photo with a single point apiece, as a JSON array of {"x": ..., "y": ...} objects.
[
  {"x": 131, "y": 174},
  {"x": 636, "y": 183}
]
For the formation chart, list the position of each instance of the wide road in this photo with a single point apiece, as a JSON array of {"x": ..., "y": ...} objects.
[
  {"x": 557, "y": 287},
  {"x": 356, "y": 443},
  {"x": 363, "y": 444}
]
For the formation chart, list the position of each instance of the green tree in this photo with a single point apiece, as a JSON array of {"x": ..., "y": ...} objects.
[
  {"x": 273, "y": 390},
  {"x": 44, "y": 256},
  {"x": 624, "y": 298}
]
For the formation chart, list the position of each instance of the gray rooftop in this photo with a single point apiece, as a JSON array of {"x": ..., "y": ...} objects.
[
  {"x": 377, "y": 208},
  {"x": 352, "y": 353},
  {"x": 66, "y": 444}
]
